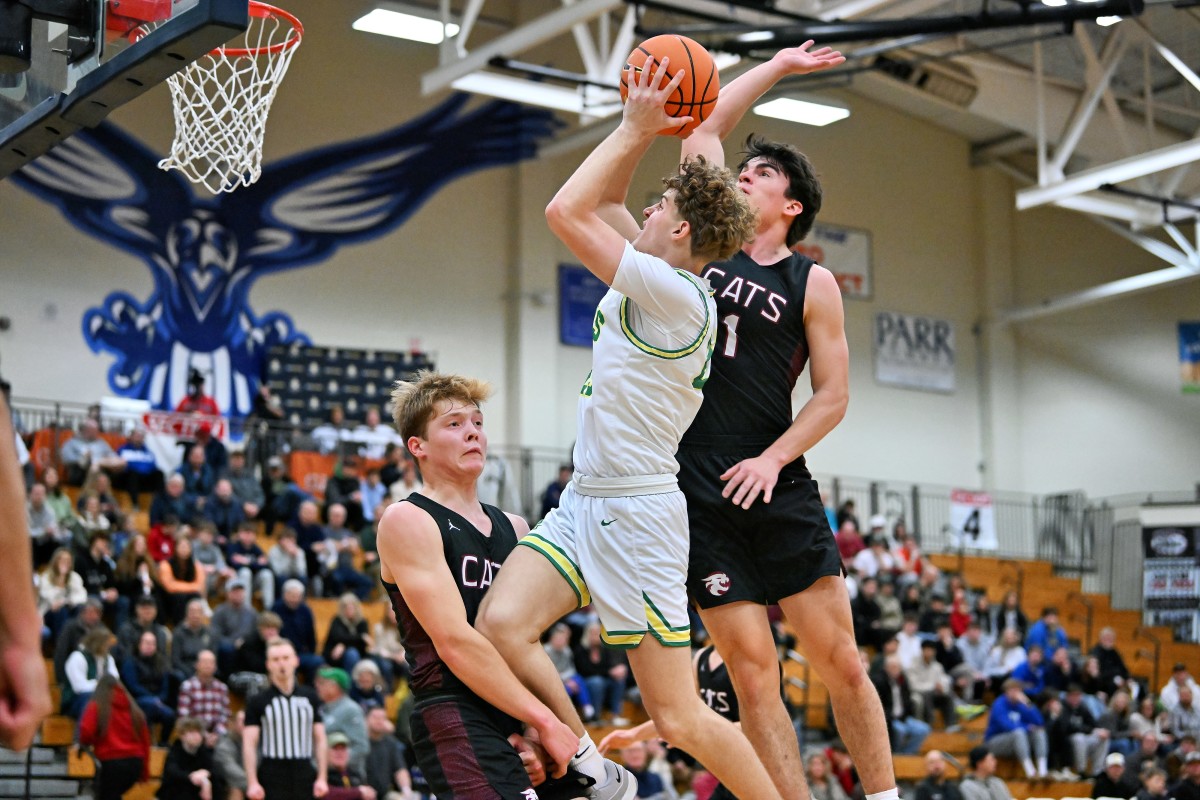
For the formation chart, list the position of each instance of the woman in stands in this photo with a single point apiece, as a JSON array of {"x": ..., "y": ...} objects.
[
  {"x": 116, "y": 731},
  {"x": 181, "y": 578},
  {"x": 84, "y": 669},
  {"x": 347, "y": 640},
  {"x": 148, "y": 679},
  {"x": 1010, "y": 615},
  {"x": 136, "y": 573},
  {"x": 56, "y": 498},
  {"x": 821, "y": 783},
  {"x": 60, "y": 591}
]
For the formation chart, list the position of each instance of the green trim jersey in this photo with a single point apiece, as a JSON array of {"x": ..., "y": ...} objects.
[{"x": 653, "y": 337}]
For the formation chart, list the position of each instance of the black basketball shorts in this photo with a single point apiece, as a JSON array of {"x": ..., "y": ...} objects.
[
  {"x": 461, "y": 745},
  {"x": 761, "y": 554}
]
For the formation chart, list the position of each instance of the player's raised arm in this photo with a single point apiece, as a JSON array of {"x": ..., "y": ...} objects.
[
  {"x": 412, "y": 553},
  {"x": 738, "y": 95},
  {"x": 574, "y": 213}
]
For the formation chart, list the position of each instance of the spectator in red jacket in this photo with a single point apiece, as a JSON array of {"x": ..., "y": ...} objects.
[{"x": 116, "y": 731}]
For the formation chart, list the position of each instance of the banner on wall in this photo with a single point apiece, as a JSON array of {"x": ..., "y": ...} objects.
[
  {"x": 914, "y": 352},
  {"x": 1189, "y": 356},
  {"x": 1171, "y": 577},
  {"x": 972, "y": 521},
  {"x": 579, "y": 292},
  {"x": 309, "y": 380},
  {"x": 846, "y": 252}
]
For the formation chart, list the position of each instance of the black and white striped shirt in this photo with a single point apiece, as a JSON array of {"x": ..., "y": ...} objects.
[{"x": 285, "y": 721}]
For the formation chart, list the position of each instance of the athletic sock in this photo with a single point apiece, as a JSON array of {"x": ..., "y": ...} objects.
[
  {"x": 1028, "y": 766},
  {"x": 886, "y": 794},
  {"x": 588, "y": 760}
]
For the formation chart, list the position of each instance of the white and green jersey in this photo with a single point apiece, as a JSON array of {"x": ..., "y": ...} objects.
[{"x": 653, "y": 337}]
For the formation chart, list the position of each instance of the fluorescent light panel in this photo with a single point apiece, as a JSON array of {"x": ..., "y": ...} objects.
[
  {"x": 802, "y": 111},
  {"x": 404, "y": 26},
  {"x": 1106, "y": 21},
  {"x": 520, "y": 90}
]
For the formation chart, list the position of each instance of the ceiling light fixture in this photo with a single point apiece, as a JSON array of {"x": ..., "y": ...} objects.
[
  {"x": 402, "y": 25},
  {"x": 806, "y": 112},
  {"x": 521, "y": 90}
]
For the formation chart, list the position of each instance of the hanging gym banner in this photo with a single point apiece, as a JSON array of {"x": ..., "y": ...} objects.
[
  {"x": 1171, "y": 570},
  {"x": 972, "y": 521},
  {"x": 914, "y": 352},
  {"x": 846, "y": 252},
  {"x": 1189, "y": 356}
]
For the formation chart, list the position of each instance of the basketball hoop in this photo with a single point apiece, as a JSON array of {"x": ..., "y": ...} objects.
[{"x": 222, "y": 99}]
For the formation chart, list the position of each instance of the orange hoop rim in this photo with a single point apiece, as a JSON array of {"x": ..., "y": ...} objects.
[{"x": 265, "y": 11}]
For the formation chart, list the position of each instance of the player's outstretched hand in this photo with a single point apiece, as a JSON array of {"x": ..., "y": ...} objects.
[
  {"x": 24, "y": 691},
  {"x": 644, "y": 104},
  {"x": 560, "y": 743},
  {"x": 746, "y": 480},
  {"x": 801, "y": 61},
  {"x": 615, "y": 740},
  {"x": 320, "y": 788}
]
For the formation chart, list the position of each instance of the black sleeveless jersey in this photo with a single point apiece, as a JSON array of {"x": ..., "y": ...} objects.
[
  {"x": 716, "y": 690},
  {"x": 760, "y": 352},
  {"x": 474, "y": 560}
]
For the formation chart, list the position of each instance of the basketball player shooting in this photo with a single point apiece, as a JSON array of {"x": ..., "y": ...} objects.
[
  {"x": 759, "y": 531},
  {"x": 619, "y": 537}
]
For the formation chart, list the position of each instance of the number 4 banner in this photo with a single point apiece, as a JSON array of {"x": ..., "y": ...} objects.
[{"x": 972, "y": 521}]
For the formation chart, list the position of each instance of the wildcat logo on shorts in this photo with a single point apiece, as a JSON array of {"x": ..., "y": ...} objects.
[
  {"x": 529, "y": 794},
  {"x": 717, "y": 584}
]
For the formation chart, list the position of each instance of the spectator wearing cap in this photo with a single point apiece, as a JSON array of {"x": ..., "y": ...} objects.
[
  {"x": 1188, "y": 787},
  {"x": 1047, "y": 633},
  {"x": 1180, "y": 677},
  {"x": 188, "y": 771},
  {"x": 1115, "y": 780},
  {"x": 232, "y": 623},
  {"x": 204, "y": 697},
  {"x": 981, "y": 782},
  {"x": 251, "y": 563},
  {"x": 343, "y": 715},
  {"x": 141, "y": 473},
  {"x": 1016, "y": 729},
  {"x": 936, "y": 785},
  {"x": 246, "y": 488},
  {"x": 346, "y": 781}
]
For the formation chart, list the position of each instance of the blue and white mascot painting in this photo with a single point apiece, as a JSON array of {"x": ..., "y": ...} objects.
[{"x": 206, "y": 253}]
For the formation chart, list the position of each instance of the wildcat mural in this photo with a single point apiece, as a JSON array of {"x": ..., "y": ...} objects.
[{"x": 206, "y": 253}]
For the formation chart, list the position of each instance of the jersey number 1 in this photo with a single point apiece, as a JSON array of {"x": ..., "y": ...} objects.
[{"x": 731, "y": 322}]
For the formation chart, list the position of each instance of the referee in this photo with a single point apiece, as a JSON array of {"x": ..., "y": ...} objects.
[{"x": 286, "y": 718}]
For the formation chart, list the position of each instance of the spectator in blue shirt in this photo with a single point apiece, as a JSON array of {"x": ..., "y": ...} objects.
[
  {"x": 1032, "y": 672},
  {"x": 1046, "y": 633},
  {"x": 141, "y": 473},
  {"x": 198, "y": 477},
  {"x": 1015, "y": 729}
]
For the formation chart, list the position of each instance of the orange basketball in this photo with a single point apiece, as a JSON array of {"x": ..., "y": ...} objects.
[{"x": 696, "y": 95}]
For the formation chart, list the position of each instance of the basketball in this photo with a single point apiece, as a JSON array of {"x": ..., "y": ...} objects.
[{"x": 696, "y": 95}]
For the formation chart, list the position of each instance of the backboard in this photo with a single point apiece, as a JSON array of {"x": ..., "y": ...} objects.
[{"x": 87, "y": 57}]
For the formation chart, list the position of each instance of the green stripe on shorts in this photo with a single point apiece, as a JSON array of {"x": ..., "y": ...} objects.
[{"x": 562, "y": 563}]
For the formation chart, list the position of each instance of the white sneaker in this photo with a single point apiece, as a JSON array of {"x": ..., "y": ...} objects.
[
  {"x": 619, "y": 722},
  {"x": 620, "y": 785}
]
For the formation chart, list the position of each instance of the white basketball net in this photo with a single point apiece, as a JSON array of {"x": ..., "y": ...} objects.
[{"x": 221, "y": 103}]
